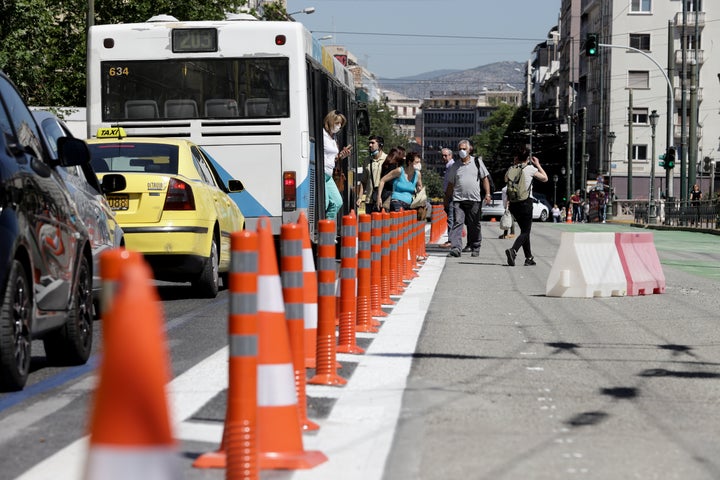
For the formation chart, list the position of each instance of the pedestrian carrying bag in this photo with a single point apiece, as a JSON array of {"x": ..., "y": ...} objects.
[
  {"x": 419, "y": 199},
  {"x": 506, "y": 220},
  {"x": 517, "y": 190}
]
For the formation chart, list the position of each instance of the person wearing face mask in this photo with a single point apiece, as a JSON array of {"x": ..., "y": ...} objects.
[
  {"x": 406, "y": 180},
  {"x": 334, "y": 121},
  {"x": 371, "y": 174},
  {"x": 463, "y": 195}
]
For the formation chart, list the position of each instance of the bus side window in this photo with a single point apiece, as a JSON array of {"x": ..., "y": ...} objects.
[
  {"x": 141, "y": 109},
  {"x": 257, "y": 107},
  {"x": 221, "y": 108},
  {"x": 181, "y": 108}
]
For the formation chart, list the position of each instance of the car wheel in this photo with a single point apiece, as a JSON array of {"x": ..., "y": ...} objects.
[
  {"x": 543, "y": 216},
  {"x": 207, "y": 284},
  {"x": 15, "y": 335},
  {"x": 71, "y": 344}
]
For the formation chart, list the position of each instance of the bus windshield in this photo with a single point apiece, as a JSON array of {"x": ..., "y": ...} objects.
[{"x": 195, "y": 88}]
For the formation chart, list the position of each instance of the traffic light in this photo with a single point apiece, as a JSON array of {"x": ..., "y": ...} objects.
[
  {"x": 670, "y": 158},
  {"x": 591, "y": 45},
  {"x": 661, "y": 163}
]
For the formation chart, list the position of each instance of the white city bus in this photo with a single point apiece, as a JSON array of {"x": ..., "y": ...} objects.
[{"x": 253, "y": 94}]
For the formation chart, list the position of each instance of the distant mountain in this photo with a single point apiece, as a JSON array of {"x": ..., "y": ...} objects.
[
  {"x": 494, "y": 76},
  {"x": 422, "y": 76}
]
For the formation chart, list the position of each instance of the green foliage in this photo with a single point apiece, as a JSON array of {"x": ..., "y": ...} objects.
[
  {"x": 433, "y": 184},
  {"x": 274, "y": 11},
  {"x": 382, "y": 122},
  {"x": 487, "y": 143},
  {"x": 491, "y": 143}
]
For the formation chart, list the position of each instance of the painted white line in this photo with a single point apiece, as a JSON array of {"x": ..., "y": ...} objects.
[
  {"x": 358, "y": 434},
  {"x": 186, "y": 394}
]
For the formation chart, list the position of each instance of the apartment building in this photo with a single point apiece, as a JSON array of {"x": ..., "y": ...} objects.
[{"x": 671, "y": 66}]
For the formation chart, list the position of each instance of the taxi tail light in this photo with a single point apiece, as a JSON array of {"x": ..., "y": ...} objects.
[
  {"x": 289, "y": 191},
  {"x": 179, "y": 196}
]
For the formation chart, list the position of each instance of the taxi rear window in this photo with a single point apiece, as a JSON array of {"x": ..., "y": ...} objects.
[{"x": 128, "y": 157}]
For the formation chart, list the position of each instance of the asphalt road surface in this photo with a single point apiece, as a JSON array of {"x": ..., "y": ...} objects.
[{"x": 476, "y": 373}]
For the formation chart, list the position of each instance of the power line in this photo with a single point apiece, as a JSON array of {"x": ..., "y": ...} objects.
[{"x": 425, "y": 35}]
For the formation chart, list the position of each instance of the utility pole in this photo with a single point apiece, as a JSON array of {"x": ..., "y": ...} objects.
[
  {"x": 583, "y": 153},
  {"x": 694, "y": 78},
  {"x": 683, "y": 107},
  {"x": 568, "y": 166},
  {"x": 630, "y": 145},
  {"x": 692, "y": 139},
  {"x": 669, "y": 187}
]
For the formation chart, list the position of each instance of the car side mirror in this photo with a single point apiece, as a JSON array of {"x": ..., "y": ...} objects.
[
  {"x": 235, "y": 186},
  {"x": 72, "y": 151}
]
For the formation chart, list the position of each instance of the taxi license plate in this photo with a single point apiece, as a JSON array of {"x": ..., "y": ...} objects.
[{"x": 119, "y": 202}]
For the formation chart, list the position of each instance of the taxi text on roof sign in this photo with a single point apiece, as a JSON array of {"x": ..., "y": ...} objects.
[{"x": 114, "y": 132}]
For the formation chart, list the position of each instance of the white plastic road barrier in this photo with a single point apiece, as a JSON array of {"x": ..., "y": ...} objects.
[{"x": 586, "y": 265}]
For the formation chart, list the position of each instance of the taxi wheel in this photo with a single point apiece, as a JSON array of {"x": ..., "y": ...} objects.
[
  {"x": 15, "y": 344},
  {"x": 207, "y": 284},
  {"x": 71, "y": 344}
]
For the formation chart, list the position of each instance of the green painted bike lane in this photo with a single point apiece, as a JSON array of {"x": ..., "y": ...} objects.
[{"x": 696, "y": 253}]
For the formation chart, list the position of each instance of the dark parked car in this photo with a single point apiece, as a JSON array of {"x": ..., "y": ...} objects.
[
  {"x": 104, "y": 230},
  {"x": 45, "y": 252}
]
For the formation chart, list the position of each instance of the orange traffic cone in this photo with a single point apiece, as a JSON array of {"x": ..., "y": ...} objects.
[
  {"x": 238, "y": 450},
  {"x": 291, "y": 264},
  {"x": 110, "y": 269},
  {"x": 279, "y": 432},
  {"x": 326, "y": 371},
  {"x": 310, "y": 294},
  {"x": 130, "y": 422}
]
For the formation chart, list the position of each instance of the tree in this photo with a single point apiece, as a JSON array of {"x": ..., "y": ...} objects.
[
  {"x": 432, "y": 181},
  {"x": 382, "y": 122},
  {"x": 43, "y": 42},
  {"x": 488, "y": 141},
  {"x": 491, "y": 142}
]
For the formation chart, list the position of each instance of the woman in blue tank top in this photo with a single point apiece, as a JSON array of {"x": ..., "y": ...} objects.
[{"x": 406, "y": 180}]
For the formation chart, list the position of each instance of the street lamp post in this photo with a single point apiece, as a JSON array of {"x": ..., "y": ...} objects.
[
  {"x": 306, "y": 10},
  {"x": 610, "y": 140},
  {"x": 651, "y": 204},
  {"x": 555, "y": 180}
]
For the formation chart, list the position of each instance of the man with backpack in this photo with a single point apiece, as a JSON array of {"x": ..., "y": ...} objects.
[
  {"x": 463, "y": 195},
  {"x": 519, "y": 179}
]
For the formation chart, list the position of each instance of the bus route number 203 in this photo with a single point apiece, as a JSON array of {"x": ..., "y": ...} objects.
[{"x": 119, "y": 71}]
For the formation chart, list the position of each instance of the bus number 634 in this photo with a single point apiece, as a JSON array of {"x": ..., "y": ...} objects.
[{"x": 118, "y": 71}]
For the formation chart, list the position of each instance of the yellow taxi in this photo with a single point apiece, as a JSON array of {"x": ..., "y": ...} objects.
[{"x": 175, "y": 208}]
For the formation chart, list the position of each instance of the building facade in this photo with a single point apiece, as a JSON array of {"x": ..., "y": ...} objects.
[{"x": 671, "y": 69}]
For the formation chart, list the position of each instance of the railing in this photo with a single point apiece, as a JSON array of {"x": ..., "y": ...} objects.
[{"x": 703, "y": 214}]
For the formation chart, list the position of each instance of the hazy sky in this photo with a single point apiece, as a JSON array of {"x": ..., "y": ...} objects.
[{"x": 398, "y": 38}]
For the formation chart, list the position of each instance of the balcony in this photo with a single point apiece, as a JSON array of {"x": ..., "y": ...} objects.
[
  {"x": 678, "y": 127},
  {"x": 678, "y": 94},
  {"x": 690, "y": 19},
  {"x": 689, "y": 56}
]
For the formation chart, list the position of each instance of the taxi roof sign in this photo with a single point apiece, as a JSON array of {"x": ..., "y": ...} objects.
[{"x": 111, "y": 132}]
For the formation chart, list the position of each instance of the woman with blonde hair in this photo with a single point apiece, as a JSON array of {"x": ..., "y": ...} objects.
[{"x": 334, "y": 121}]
